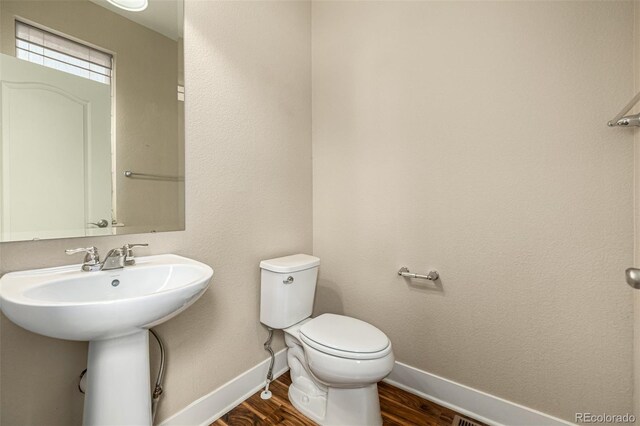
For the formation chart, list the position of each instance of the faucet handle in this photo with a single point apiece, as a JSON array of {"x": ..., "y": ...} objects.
[
  {"x": 91, "y": 257},
  {"x": 129, "y": 259},
  {"x": 130, "y": 246},
  {"x": 90, "y": 251}
]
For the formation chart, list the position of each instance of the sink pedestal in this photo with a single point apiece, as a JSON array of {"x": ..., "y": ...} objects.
[
  {"x": 68, "y": 303},
  {"x": 118, "y": 384}
]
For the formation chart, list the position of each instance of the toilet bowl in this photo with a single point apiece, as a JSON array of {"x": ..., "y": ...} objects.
[
  {"x": 335, "y": 361},
  {"x": 332, "y": 384}
]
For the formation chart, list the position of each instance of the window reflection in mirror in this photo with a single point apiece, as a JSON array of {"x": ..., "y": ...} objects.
[{"x": 92, "y": 113}]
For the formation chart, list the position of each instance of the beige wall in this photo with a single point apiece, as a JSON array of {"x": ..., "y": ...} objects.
[
  {"x": 148, "y": 124},
  {"x": 468, "y": 137},
  {"x": 471, "y": 138},
  {"x": 248, "y": 196}
]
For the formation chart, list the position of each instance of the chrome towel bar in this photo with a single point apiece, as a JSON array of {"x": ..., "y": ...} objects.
[
  {"x": 626, "y": 121},
  {"x": 431, "y": 276},
  {"x": 130, "y": 174}
]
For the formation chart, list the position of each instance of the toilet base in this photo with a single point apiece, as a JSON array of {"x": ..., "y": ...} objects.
[
  {"x": 305, "y": 394},
  {"x": 312, "y": 406},
  {"x": 353, "y": 407},
  {"x": 340, "y": 407}
]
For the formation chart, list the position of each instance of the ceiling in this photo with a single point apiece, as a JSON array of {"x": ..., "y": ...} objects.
[{"x": 163, "y": 16}]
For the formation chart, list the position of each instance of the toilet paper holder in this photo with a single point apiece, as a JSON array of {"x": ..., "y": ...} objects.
[{"x": 431, "y": 276}]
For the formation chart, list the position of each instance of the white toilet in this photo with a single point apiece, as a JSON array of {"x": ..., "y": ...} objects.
[{"x": 335, "y": 361}]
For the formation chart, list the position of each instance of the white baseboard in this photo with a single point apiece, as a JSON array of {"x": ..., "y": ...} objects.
[
  {"x": 214, "y": 405},
  {"x": 463, "y": 399},
  {"x": 468, "y": 401}
]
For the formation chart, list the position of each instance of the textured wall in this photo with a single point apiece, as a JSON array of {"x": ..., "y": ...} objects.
[
  {"x": 248, "y": 196},
  {"x": 471, "y": 138},
  {"x": 523, "y": 204}
]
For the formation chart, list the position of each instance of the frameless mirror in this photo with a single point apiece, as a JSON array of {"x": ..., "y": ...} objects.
[{"x": 91, "y": 118}]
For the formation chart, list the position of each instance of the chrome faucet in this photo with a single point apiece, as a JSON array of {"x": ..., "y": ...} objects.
[
  {"x": 116, "y": 258},
  {"x": 113, "y": 260}
]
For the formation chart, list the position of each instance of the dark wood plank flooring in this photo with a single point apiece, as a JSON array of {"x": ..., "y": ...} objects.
[{"x": 398, "y": 408}]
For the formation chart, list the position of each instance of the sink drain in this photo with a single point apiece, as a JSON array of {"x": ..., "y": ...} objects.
[{"x": 115, "y": 283}]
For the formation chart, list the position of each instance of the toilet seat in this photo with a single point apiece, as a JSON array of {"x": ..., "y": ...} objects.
[{"x": 345, "y": 337}]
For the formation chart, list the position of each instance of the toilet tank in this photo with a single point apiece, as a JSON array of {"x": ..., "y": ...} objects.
[{"x": 287, "y": 289}]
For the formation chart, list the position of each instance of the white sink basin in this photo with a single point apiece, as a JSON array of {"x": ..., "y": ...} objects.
[
  {"x": 67, "y": 303},
  {"x": 113, "y": 310}
]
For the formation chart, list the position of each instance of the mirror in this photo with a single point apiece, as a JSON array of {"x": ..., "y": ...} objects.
[{"x": 91, "y": 118}]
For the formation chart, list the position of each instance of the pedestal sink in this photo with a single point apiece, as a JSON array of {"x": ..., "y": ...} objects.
[{"x": 113, "y": 310}]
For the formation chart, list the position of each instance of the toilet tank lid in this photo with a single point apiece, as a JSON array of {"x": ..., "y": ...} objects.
[{"x": 293, "y": 263}]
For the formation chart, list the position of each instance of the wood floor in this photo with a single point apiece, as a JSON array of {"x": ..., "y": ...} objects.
[{"x": 398, "y": 408}]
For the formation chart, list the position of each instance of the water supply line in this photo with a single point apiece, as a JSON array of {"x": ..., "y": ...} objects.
[
  {"x": 81, "y": 384},
  {"x": 157, "y": 390},
  {"x": 266, "y": 393}
]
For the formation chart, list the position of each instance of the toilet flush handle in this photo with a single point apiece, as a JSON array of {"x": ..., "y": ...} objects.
[{"x": 289, "y": 280}]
